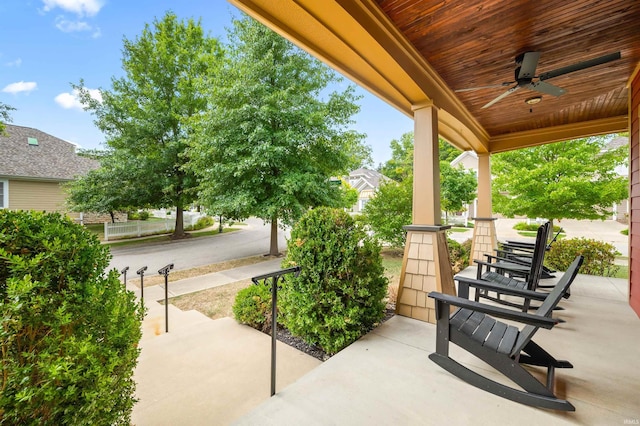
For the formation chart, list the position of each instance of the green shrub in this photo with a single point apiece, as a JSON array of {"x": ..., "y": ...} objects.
[
  {"x": 203, "y": 222},
  {"x": 524, "y": 226},
  {"x": 253, "y": 307},
  {"x": 138, "y": 215},
  {"x": 599, "y": 257},
  {"x": 625, "y": 232},
  {"x": 69, "y": 331},
  {"x": 459, "y": 254},
  {"x": 339, "y": 294},
  {"x": 144, "y": 215}
]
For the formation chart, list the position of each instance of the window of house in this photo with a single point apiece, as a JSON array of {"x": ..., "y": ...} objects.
[{"x": 4, "y": 194}]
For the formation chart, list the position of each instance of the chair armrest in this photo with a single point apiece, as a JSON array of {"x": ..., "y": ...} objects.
[
  {"x": 488, "y": 285},
  {"x": 513, "y": 268},
  {"x": 524, "y": 318}
]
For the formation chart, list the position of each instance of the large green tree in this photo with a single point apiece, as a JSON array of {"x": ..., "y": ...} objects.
[
  {"x": 274, "y": 135},
  {"x": 147, "y": 115},
  {"x": 567, "y": 180}
]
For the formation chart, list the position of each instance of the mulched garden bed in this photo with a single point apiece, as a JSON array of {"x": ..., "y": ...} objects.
[{"x": 285, "y": 337}]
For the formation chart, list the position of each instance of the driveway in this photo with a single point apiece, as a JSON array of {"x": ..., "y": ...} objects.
[{"x": 250, "y": 240}]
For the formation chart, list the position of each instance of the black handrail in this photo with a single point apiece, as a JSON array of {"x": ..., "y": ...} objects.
[
  {"x": 274, "y": 314},
  {"x": 165, "y": 271},
  {"x": 124, "y": 272},
  {"x": 141, "y": 273}
]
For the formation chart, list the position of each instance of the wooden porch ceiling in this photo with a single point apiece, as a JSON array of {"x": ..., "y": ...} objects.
[{"x": 410, "y": 52}]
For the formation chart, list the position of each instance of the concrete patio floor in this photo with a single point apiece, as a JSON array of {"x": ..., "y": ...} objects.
[{"x": 386, "y": 378}]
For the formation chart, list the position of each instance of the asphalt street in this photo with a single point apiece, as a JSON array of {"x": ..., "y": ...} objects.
[{"x": 250, "y": 240}]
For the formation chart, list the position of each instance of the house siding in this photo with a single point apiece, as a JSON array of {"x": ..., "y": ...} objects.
[
  {"x": 33, "y": 195},
  {"x": 634, "y": 193}
]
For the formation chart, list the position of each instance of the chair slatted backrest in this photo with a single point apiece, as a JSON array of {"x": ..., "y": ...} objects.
[
  {"x": 538, "y": 256},
  {"x": 549, "y": 304}
]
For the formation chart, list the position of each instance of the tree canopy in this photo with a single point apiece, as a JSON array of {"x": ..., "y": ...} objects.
[
  {"x": 567, "y": 180},
  {"x": 400, "y": 165},
  {"x": 148, "y": 114},
  {"x": 5, "y": 117},
  {"x": 273, "y": 136},
  {"x": 115, "y": 186},
  {"x": 457, "y": 187}
]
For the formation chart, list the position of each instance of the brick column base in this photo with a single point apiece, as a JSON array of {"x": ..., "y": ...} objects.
[
  {"x": 485, "y": 240},
  {"x": 425, "y": 268}
]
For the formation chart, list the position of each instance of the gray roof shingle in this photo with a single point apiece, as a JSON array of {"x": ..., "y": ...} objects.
[{"x": 51, "y": 159}]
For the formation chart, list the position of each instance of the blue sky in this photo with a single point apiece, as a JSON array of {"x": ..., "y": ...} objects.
[{"x": 45, "y": 45}]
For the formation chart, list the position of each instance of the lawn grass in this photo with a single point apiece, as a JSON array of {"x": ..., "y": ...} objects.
[
  {"x": 459, "y": 229},
  {"x": 165, "y": 237},
  {"x": 203, "y": 270},
  {"x": 217, "y": 302}
]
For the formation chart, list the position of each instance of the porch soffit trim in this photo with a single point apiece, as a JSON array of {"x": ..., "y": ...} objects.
[
  {"x": 565, "y": 132},
  {"x": 358, "y": 40}
]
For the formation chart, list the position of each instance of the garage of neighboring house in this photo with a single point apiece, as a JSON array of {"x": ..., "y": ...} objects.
[{"x": 34, "y": 167}]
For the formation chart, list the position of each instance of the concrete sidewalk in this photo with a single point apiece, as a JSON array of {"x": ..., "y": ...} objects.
[{"x": 206, "y": 372}]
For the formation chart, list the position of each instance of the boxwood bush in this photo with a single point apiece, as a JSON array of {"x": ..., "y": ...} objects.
[
  {"x": 69, "y": 331},
  {"x": 599, "y": 257},
  {"x": 339, "y": 294},
  {"x": 252, "y": 307}
]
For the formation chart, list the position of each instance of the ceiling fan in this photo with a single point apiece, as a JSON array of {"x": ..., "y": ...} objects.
[{"x": 525, "y": 75}]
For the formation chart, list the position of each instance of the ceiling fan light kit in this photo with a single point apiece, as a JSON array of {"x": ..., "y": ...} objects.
[{"x": 525, "y": 74}]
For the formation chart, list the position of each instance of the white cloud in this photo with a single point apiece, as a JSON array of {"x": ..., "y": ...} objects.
[
  {"x": 71, "y": 101},
  {"x": 79, "y": 7},
  {"x": 67, "y": 26},
  {"x": 15, "y": 63},
  {"x": 21, "y": 86}
]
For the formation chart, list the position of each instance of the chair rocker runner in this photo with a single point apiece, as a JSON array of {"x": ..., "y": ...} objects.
[{"x": 504, "y": 347}]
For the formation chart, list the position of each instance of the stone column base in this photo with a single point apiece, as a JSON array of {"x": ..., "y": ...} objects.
[
  {"x": 425, "y": 267},
  {"x": 485, "y": 240}
]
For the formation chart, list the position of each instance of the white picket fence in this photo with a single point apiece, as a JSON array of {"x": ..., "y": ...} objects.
[{"x": 138, "y": 228}]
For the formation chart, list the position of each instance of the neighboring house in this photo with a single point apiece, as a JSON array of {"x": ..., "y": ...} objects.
[
  {"x": 366, "y": 182},
  {"x": 33, "y": 167}
]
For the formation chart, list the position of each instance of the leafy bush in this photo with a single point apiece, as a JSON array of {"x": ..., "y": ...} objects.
[
  {"x": 459, "y": 254},
  {"x": 203, "y": 222},
  {"x": 389, "y": 211},
  {"x": 253, "y": 307},
  {"x": 69, "y": 332},
  {"x": 599, "y": 256},
  {"x": 625, "y": 232},
  {"x": 339, "y": 293}
]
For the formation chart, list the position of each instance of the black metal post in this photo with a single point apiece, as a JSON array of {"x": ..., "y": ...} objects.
[
  {"x": 141, "y": 273},
  {"x": 165, "y": 271},
  {"x": 274, "y": 312},
  {"x": 124, "y": 272}
]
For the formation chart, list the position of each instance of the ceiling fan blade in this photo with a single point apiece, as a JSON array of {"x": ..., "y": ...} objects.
[
  {"x": 504, "y": 95},
  {"x": 580, "y": 66},
  {"x": 529, "y": 64},
  {"x": 492, "y": 86},
  {"x": 546, "y": 88}
]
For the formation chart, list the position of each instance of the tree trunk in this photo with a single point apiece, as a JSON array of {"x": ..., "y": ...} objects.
[
  {"x": 113, "y": 217},
  {"x": 273, "y": 250},
  {"x": 179, "y": 228}
]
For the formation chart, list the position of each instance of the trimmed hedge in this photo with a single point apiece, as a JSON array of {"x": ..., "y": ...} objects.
[
  {"x": 599, "y": 257},
  {"x": 69, "y": 331},
  {"x": 339, "y": 294}
]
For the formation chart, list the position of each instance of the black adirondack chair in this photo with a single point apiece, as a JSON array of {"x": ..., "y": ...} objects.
[
  {"x": 498, "y": 271},
  {"x": 504, "y": 347},
  {"x": 522, "y": 253}
]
